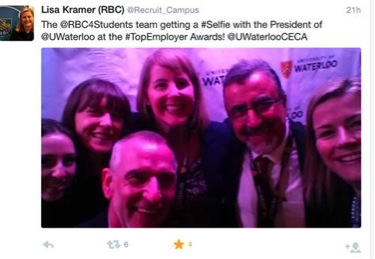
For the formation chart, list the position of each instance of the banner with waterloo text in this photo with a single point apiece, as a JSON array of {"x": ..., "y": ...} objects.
[{"x": 301, "y": 70}]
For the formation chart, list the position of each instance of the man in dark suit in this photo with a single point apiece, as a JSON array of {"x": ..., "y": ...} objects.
[
  {"x": 265, "y": 188},
  {"x": 140, "y": 183}
]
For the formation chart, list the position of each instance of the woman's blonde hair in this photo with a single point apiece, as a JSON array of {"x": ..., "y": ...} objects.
[
  {"x": 174, "y": 60},
  {"x": 19, "y": 26},
  {"x": 319, "y": 184}
]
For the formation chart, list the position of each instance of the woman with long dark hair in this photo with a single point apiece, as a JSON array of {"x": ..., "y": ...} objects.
[{"x": 98, "y": 113}]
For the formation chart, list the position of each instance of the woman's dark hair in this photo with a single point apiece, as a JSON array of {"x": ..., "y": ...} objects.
[
  {"x": 50, "y": 126},
  {"x": 90, "y": 93}
]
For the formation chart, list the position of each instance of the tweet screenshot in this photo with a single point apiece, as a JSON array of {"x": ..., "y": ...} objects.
[{"x": 183, "y": 129}]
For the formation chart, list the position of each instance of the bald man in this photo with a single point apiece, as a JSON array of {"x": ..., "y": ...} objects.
[{"x": 140, "y": 183}]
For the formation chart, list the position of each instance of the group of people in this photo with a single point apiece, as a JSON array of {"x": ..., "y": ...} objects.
[
  {"x": 168, "y": 165},
  {"x": 24, "y": 31}
]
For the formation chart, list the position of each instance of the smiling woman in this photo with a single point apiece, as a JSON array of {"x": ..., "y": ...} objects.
[
  {"x": 24, "y": 30},
  {"x": 333, "y": 155},
  {"x": 170, "y": 102},
  {"x": 98, "y": 113}
]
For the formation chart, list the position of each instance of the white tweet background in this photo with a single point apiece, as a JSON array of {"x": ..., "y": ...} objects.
[{"x": 20, "y": 71}]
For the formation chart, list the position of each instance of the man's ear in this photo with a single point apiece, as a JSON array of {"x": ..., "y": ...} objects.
[{"x": 107, "y": 182}]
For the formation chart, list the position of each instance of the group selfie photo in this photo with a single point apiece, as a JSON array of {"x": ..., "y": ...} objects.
[{"x": 201, "y": 138}]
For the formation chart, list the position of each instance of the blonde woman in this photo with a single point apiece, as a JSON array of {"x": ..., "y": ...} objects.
[
  {"x": 170, "y": 102},
  {"x": 24, "y": 30},
  {"x": 333, "y": 155}
]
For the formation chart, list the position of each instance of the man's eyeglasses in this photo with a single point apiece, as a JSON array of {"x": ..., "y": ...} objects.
[{"x": 259, "y": 106}]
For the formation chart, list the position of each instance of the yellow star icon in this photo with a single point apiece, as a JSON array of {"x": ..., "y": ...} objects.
[{"x": 178, "y": 244}]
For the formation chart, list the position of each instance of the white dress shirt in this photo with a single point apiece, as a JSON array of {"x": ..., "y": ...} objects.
[{"x": 290, "y": 212}]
